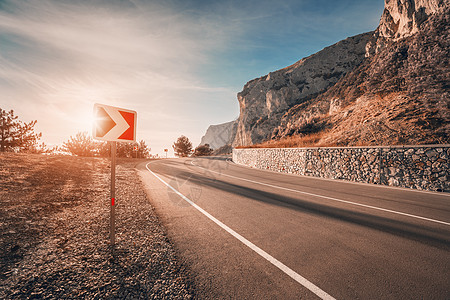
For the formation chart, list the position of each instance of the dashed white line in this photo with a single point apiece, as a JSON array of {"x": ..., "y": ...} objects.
[
  {"x": 291, "y": 273},
  {"x": 328, "y": 198}
]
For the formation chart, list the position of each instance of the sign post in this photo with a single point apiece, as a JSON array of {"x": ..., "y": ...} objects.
[
  {"x": 114, "y": 125},
  {"x": 112, "y": 218}
]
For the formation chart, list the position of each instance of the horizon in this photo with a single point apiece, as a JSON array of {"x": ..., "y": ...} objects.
[{"x": 179, "y": 64}]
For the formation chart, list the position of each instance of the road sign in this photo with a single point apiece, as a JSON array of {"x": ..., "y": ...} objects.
[{"x": 114, "y": 124}]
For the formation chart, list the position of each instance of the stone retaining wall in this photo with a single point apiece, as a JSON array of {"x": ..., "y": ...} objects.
[{"x": 419, "y": 167}]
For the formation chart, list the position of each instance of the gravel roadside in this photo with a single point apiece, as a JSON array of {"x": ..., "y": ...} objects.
[{"x": 54, "y": 241}]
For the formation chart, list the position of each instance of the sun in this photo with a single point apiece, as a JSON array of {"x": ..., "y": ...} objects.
[
  {"x": 87, "y": 122},
  {"x": 82, "y": 117}
]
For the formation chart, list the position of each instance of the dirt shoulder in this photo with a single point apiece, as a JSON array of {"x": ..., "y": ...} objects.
[{"x": 54, "y": 233}]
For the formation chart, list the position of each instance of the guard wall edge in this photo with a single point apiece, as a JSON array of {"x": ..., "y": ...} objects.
[{"x": 422, "y": 167}]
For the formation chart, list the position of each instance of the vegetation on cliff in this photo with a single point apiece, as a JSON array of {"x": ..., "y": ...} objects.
[{"x": 397, "y": 93}]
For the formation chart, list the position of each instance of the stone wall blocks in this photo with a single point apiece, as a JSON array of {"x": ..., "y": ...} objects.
[
  {"x": 409, "y": 151},
  {"x": 431, "y": 153},
  {"x": 420, "y": 167}
]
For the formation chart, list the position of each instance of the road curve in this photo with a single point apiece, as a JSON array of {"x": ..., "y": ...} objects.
[{"x": 250, "y": 234}]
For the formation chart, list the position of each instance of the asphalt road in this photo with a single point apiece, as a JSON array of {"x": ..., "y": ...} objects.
[{"x": 251, "y": 234}]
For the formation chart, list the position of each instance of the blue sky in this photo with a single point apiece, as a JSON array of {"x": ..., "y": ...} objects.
[{"x": 179, "y": 64}]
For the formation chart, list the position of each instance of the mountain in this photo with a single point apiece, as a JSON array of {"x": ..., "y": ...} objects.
[
  {"x": 265, "y": 100},
  {"x": 389, "y": 86},
  {"x": 219, "y": 135}
]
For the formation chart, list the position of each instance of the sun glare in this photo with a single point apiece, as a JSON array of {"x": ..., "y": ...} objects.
[{"x": 87, "y": 122}]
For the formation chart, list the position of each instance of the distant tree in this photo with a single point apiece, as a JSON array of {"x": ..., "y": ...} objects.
[
  {"x": 133, "y": 150},
  {"x": 102, "y": 149},
  {"x": 182, "y": 147},
  {"x": 143, "y": 150},
  {"x": 203, "y": 150},
  {"x": 58, "y": 150},
  {"x": 39, "y": 148},
  {"x": 82, "y": 145},
  {"x": 125, "y": 149},
  {"x": 8, "y": 127},
  {"x": 16, "y": 135}
]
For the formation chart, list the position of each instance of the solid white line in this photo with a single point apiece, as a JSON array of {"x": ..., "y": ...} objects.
[
  {"x": 291, "y": 273},
  {"x": 329, "y": 198},
  {"x": 382, "y": 186}
]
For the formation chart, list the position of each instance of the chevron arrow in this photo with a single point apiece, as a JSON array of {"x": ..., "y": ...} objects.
[
  {"x": 114, "y": 124},
  {"x": 104, "y": 122}
]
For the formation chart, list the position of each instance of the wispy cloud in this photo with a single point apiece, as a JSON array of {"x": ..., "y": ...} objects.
[
  {"x": 179, "y": 63},
  {"x": 69, "y": 55}
]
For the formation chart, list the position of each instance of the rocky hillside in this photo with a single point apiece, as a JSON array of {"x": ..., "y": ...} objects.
[
  {"x": 265, "y": 100},
  {"x": 217, "y": 136},
  {"x": 390, "y": 86}
]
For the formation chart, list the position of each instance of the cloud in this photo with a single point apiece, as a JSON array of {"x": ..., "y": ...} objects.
[
  {"x": 179, "y": 63},
  {"x": 81, "y": 41},
  {"x": 61, "y": 57}
]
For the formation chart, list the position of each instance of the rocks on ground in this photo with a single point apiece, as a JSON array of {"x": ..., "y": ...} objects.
[{"x": 54, "y": 241}]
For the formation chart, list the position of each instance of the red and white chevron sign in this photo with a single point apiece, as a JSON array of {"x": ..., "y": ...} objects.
[{"x": 114, "y": 124}]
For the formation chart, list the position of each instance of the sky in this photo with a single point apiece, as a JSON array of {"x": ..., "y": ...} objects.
[{"x": 178, "y": 63}]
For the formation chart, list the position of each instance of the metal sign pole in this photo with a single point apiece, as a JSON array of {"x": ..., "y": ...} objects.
[
  {"x": 112, "y": 219},
  {"x": 113, "y": 124}
]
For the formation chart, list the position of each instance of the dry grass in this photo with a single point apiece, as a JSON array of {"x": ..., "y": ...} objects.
[
  {"x": 319, "y": 139},
  {"x": 310, "y": 140}
]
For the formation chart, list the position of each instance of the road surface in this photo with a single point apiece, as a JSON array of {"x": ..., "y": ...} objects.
[{"x": 253, "y": 234}]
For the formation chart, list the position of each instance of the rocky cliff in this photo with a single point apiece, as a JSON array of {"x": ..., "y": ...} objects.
[
  {"x": 402, "y": 18},
  {"x": 265, "y": 100},
  {"x": 390, "y": 86},
  {"x": 219, "y": 135}
]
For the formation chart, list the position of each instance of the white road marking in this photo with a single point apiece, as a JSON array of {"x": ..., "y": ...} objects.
[
  {"x": 382, "y": 186},
  {"x": 328, "y": 198},
  {"x": 291, "y": 273}
]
